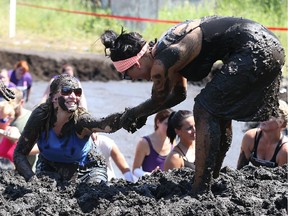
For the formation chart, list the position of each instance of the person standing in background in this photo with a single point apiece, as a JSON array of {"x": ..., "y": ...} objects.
[
  {"x": 152, "y": 150},
  {"x": 22, "y": 78},
  {"x": 181, "y": 124},
  {"x": 70, "y": 70},
  {"x": 110, "y": 150}
]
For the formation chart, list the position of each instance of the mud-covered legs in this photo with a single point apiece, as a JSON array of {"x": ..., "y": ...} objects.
[{"x": 213, "y": 139}]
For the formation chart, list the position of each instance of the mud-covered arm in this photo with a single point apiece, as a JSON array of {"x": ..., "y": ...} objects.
[
  {"x": 169, "y": 89},
  {"x": 88, "y": 124},
  {"x": 26, "y": 142},
  {"x": 5, "y": 92}
]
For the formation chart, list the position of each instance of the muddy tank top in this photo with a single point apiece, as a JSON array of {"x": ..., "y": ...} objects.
[{"x": 67, "y": 149}]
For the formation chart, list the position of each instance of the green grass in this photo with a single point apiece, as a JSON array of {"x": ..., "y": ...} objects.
[{"x": 48, "y": 29}]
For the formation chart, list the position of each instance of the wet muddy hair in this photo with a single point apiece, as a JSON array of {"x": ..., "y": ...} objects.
[
  {"x": 62, "y": 80},
  {"x": 175, "y": 122},
  {"x": 122, "y": 46}
]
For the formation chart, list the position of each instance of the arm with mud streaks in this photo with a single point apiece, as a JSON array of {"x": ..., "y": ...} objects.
[
  {"x": 26, "y": 142},
  {"x": 167, "y": 91},
  {"x": 87, "y": 124}
]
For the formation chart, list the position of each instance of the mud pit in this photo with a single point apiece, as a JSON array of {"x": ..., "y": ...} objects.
[{"x": 251, "y": 191}]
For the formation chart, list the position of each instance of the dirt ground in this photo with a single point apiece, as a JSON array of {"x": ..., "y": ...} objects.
[{"x": 250, "y": 191}]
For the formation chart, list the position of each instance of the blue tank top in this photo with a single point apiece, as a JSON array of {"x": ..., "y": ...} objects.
[
  {"x": 153, "y": 160},
  {"x": 68, "y": 149}
]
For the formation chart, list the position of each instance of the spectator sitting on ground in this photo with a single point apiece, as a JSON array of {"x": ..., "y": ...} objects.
[
  {"x": 70, "y": 70},
  {"x": 152, "y": 150},
  {"x": 181, "y": 123},
  {"x": 110, "y": 150},
  {"x": 9, "y": 135},
  {"x": 21, "y": 117},
  {"x": 22, "y": 78},
  {"x": 266, "y": 145}
]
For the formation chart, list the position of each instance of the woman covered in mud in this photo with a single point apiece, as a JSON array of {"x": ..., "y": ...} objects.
[
  {"x": 245, "y": 88},
  {"x": 266, "y": 145},
  {"x": 62, "y": 130}
]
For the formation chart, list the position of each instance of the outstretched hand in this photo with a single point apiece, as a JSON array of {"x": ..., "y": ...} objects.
[
  {"x": 130, "y": 123},
  {"x": 7, "y": 93}
]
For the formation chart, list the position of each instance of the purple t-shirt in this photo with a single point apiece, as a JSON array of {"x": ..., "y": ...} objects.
[
  {"x": 23, "y": 84},
  {"x": 25, "y": 81}
]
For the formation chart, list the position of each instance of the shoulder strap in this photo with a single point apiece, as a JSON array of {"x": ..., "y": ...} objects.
[
  {"x": 256, "y": 142},
  {"x": 278, "y": 147},
  {"x": 149, "y": 142},
  {"x": 182, "y": 153}
]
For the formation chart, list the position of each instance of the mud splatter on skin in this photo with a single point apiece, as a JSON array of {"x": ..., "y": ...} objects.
[{"x": 108, "y": 124}]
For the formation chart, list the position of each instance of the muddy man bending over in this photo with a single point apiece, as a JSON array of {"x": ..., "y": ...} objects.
[{"x": 245, "y": 88}]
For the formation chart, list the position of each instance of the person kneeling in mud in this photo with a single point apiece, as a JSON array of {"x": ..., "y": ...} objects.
[
  {"x": 266, "y": 145},
  {"x": 62, "y": 130}
]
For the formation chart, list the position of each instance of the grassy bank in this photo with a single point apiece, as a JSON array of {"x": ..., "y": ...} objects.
[{"x": 54, "y": 30}]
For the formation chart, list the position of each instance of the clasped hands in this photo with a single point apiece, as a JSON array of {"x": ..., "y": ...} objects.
[{"x": 130, "y": 123}]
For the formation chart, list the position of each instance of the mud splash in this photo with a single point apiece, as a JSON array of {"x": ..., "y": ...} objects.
[{"x": 251, "y": 191}]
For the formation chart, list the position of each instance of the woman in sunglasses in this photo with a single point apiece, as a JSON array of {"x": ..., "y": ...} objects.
[
  {"x": 62, "y": 129},
  {"x": 245, "y": 88},
  {"x": 266, "y": 145}
]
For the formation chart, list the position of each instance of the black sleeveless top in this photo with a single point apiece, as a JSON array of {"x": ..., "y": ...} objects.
[
  {"x": 259, "y": 162},
  {"x": 187, "y": 163}
]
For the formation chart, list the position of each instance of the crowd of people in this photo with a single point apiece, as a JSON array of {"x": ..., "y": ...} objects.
[{"x": 66, "y": 138}]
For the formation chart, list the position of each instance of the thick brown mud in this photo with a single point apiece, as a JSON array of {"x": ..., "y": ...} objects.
[{"x": 251, "y": 191}]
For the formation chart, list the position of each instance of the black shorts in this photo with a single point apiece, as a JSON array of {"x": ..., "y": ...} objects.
[{"x": 246, "y": 88}]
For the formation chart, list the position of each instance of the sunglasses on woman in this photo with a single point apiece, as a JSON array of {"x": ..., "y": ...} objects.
[{"x": 65, "y": 91}]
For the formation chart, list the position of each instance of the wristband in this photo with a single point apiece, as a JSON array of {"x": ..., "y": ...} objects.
[
  {"x": 128, "y": 176},
  {"x": 138, "y": 172}
]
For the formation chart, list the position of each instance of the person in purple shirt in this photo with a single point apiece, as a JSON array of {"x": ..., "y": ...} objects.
[
  {"x": 152, "y": 149},
  {"x": 21, "y": 77}
]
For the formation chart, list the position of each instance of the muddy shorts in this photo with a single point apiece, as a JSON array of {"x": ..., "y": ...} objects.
[
  {"x": 93, "y": 171},
  {"x": 246, "y": 87}
]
